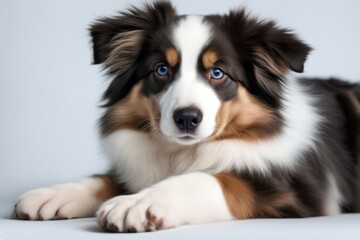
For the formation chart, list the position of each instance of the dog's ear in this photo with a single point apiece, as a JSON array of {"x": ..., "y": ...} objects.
[
  {"x": 281, "y": 45},
  {"x": 267, "y": 42},
  {"x": 128, "y": 29},
  {"x": 266, "y": 51},
  {"x": 118, "y": 41}
]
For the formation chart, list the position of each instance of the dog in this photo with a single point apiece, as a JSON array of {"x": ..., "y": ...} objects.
[{"x": 206, "y": 122}]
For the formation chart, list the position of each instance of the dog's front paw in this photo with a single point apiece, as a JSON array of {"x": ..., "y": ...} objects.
[
  {"x": 135, "y": 214},
  {"x": 186, "y": 199},
  {"x": 63, "y": 201},
  {"x": 31, "y": 205},
  {"x": 112, "y": 213},
  {"x": 148, "y": 215}
]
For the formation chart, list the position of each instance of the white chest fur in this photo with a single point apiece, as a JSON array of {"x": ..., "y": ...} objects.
[{"x": 141, "y": 159}]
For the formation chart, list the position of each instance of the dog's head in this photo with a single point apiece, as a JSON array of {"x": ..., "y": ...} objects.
[{"x": 194, "y": 78}]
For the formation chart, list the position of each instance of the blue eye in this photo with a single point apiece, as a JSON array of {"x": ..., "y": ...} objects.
[
  {"x": 216, "y": 73},
  {"x": 162, "y": 70}
]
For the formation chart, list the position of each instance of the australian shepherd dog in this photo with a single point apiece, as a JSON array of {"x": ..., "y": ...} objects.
[{"x": 205, "y": 122}]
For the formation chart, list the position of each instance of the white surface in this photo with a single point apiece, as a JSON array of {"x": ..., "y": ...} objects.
[
  {"x": 49, "y": 93},
  {"x": 344, "y": 227}
]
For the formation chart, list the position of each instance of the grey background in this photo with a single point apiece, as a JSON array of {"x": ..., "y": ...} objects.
[{"x": 49, "y": 91}]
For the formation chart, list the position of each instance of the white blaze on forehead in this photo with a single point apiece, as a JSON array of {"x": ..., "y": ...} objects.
[{"x": 191, "y": 36}]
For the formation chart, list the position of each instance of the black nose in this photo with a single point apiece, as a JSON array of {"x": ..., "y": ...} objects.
[{"x": 187, "y": 119}]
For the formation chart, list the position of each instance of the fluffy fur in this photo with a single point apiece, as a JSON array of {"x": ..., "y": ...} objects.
[{"x": 188, "y": 146}]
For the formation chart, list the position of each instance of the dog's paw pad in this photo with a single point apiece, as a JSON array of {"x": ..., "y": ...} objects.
[{"x": 153, "y": 222}]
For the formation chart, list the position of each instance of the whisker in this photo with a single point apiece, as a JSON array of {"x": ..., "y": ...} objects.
[
  {"x": 234, "y": 130},
  {"x": 148, "y": 124}
]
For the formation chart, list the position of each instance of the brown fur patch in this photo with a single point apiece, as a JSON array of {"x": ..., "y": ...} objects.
[
  {"x": 135, "y": 111},
  {"x": 238, "y": 194},
  {"x": 108, "y": 188},
  {"x": 209, "y": 58},
  {"x": 246, "y": 118},
  {"x": 172, "y": 57},
  {"x": 244, "y": 201}
]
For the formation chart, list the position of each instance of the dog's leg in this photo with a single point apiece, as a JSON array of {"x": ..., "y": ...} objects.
[
  {"x": 192, "y": 199},
  {"x": 64, "y": 201},
  {"x": 185, "y": 199}
]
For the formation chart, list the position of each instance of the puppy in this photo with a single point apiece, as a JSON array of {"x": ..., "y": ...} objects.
[{"x": 205, "y": 123}]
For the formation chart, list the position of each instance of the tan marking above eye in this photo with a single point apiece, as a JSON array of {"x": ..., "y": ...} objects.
[
  {"x": 209, "y": 58},
  {"x": 172, "y": 57}
]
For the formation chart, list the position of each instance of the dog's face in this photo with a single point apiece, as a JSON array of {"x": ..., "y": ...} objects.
[{"x": 195, "y": 78}]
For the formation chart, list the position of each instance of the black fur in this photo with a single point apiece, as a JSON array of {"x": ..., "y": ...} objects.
[
  {"x": 248, "y": 34},
  {"x": 239, "y": 38},
  {"x": 243, "y": 34},
  {"x": 334, "y": 150},
  {"x": 147, "y": 21}
]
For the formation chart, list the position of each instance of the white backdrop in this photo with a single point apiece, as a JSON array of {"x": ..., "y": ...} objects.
[{"x": 49, "y": 91}]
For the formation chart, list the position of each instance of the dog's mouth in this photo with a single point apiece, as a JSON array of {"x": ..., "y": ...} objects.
[{"x": 187, "y": 139}]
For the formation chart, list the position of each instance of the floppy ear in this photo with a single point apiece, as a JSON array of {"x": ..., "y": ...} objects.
[
  {"x": 128, "y": 28},
  {"x": 266, "y": 52},
  {"x": 266, "y": 41},
  {"x": 284, "y": 46},
  {"x": 118, "y": 41},
  {"x": 276, "y": 52}
]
